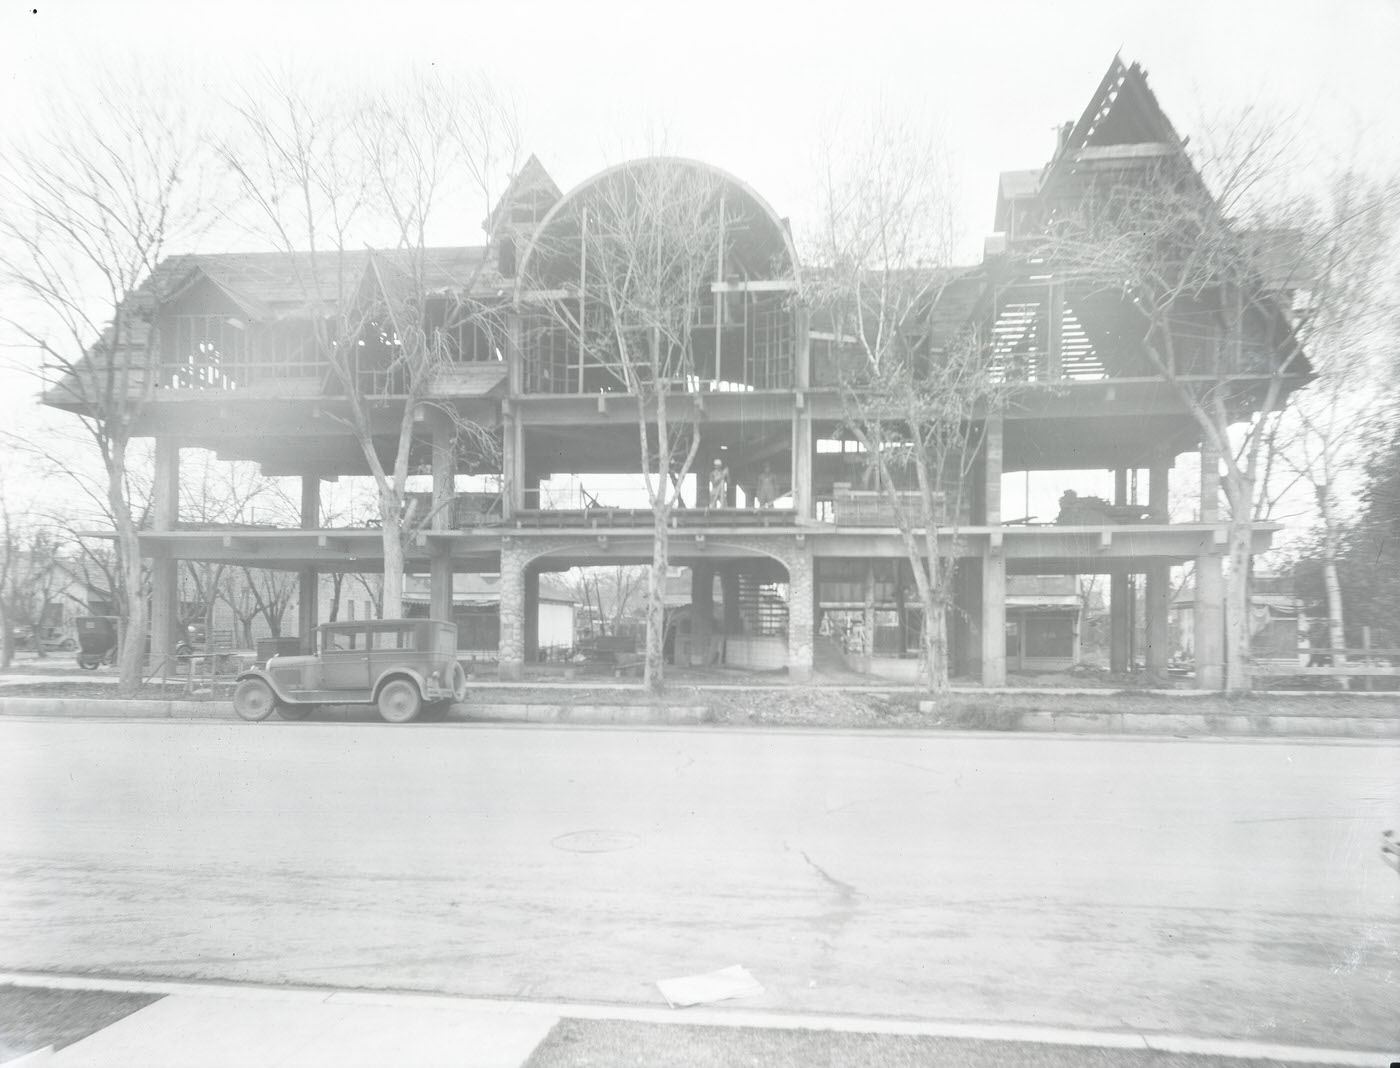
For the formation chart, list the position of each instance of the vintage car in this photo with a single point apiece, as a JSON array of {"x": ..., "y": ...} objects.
[{"x": 400, "y": 665}]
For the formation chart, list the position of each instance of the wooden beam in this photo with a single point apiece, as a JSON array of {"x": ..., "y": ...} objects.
[
  {"x": 1141, "y": 150},
  {"x": 755, "y": 285}
]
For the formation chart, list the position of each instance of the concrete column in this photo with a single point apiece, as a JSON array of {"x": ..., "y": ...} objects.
[
  {"x": 308, "y": 579},
  {"x": 444, "y": 475},
  {"x": 801, "y": 610},
  {"x": 512, "y": 461},
  {"x": 702, "y": 606},
  {"x": 993, "y": 565},
  {"x": 441, "y": 574},
  {"x": 1159, "y": 490},
  {"x": 993, "y": 618},
  {"x": 1120, "y": 598},
  {"x": 991, "y": 472},
  {"x": 803, "y": 446},
  {"x": 532, "y": 615},
  {"x": 802, "y": 352},
  {"x": 1157, "y": 603},
  {"x": 1209, "y": 615},
  {"x": 165, "y": 587},
  {"x": 868, "y": 613},
  {"x": 440, "y": 568},
  {"x": 511, "y": 652},
  {"x": 515, "y": 354},
  {"x": 965, "y": 627},
  {"x": 1120, "y": 622}
]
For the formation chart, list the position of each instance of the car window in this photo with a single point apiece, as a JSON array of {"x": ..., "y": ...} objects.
[
  {"x": 344, "y": 641},
  {"x": 387, "y": 639}
]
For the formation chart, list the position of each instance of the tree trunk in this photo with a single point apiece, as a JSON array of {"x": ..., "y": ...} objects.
[
  {"x": 7, "y": 651},
  {"x": 654, "y": 677},
  {"x": 391, "y": 600},
  {"x": 1239, "y": 659},
  {"x": 1336, "y": 630},
  {"x": 131, "y": 663}
]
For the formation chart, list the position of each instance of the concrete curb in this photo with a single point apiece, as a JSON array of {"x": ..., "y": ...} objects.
[
  {"x": 1180, "y": 722},
  {"x": 1183, "y": 723},
  {"x": 31, "y": 1060},
  {"x": 636, "y": 715},
  {"x": 495, "y": 712},
  {"x": 111, "y": 708}
]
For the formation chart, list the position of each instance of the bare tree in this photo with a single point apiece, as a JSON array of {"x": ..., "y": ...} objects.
[
  {"x": 386, "y": 321},
  {"x": 1207, "y": 300},
  {"x": 348, "y": 508},
  {"x": 611, "y": 590},
  {"x": 9, "y": 564},
  {"x": 916, "y": 397},
  {"x": 88, "y": 210},
  {"x": 1349, "y": 238},
  {"x": 272, "y": 594},
  {"x": 626, "y": 277},
  {"x": 33, "y": 580}
]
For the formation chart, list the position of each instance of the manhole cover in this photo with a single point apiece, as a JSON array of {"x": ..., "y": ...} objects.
[{"x": 595, "y": 841}]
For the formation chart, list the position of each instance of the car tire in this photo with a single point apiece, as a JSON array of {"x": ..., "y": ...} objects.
[
  {"x": 254, "y": 700},
  {"x": 399, "y": 701},
  {"x": 68, "y": 645},
  {"x": 89, "y": 663},
  {"x": 459, "y": 681},
  {"x": 295, "y": 711}
]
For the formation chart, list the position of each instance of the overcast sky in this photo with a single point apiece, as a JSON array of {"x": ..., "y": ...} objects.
[{"x": 752, "y": 86}]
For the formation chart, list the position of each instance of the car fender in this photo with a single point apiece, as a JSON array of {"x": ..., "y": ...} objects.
[
  {"x": 258, "y": 673},
  {"x": 400, "y": 673}
]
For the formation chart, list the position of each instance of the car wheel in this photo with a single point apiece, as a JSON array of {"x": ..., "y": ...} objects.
[
  {"x": 254, "y": 700},
  {"x": 459, "y": 682},
  {"x": 399, "y": 701},
  {"x": 295, "y": 711},
  {"x": 69, "y": 645},
  {"x": 88, "y": 663}
]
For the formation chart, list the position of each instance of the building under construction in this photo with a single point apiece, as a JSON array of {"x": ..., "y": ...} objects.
[{"x": 240, "y": 372}]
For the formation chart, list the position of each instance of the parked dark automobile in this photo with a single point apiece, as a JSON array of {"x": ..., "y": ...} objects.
[
  {"x": 194, "y": 638},
  {"x": 97, "y": 640},
  {"x": 399, "y": 665}
]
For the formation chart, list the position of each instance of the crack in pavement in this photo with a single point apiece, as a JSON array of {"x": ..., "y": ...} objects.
[{"x": 846, "y": 890}]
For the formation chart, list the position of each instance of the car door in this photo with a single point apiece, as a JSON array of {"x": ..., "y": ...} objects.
[
  {"x": 387, "y": 642},
  {"x": 345, "y": 658}
]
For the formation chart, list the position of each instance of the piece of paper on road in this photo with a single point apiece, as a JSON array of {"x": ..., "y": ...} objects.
[{"x": 734, "y": 982}]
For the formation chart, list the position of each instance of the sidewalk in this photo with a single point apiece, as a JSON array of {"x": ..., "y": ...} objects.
[
  {"x": 229, "y": 1026},
  {"x": 312, "y": 1031}
]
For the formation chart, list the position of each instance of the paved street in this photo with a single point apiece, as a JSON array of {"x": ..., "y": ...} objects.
[{"x": 1212, "y": 888}]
